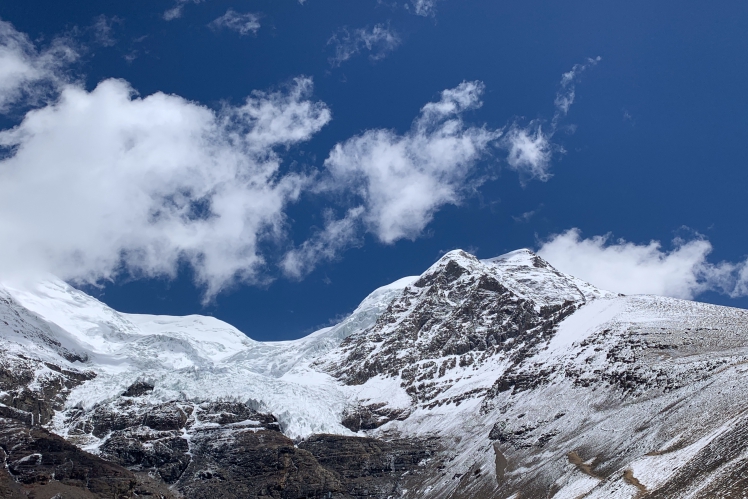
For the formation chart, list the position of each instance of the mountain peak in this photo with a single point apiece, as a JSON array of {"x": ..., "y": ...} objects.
[
  {"x": 523, "y": 271},
  {"x": 523, "y": 256},
  {"x": 457, "y": 254},
  {"x": 458, "y": 257}
]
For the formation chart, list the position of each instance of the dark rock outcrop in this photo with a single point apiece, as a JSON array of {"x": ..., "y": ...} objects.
[
  {"x": 254, "y": 464},
  {"x": 370, "y": 467},
  {"x": 32, "y": 390},
  {"x": 138, "y": 389},
  {"x": 372, "y": 416},
  {"x": 41, "y": 464},
  {"x": 229, "y": 450}
]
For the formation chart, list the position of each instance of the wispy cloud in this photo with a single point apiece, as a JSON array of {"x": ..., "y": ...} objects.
[
  {"x": 103, "y": 30},
  {"x": 95, "y": 183},
  {"x": 135, "y": 49},
  {"x": 378, "y": 40},
  {"x": 244, "y": 24},
  {"x": 174, "y": 12},
  {"x": 425, "y": 8},
  {"x": 403, "y": 179},
  {"x": 567, "y": 91},
  {"x": 626, "y": 267},
  {"x": 27, "y": 74},
  {"x": 397, "y": 182},
  {"x": 326, "y": 243},
  {"x": 178, "y": 9},
  {"x": 529, "y": 151},
  {"x": 527, "y": 216}
]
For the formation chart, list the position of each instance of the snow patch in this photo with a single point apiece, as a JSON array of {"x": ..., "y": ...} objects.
[{"x": 589, "y": 319}]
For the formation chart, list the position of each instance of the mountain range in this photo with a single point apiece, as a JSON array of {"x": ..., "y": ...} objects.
[{"x": 499, "y": 378}]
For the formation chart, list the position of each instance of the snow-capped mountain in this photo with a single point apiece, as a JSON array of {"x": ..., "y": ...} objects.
[{"x": 479, "y": 378}]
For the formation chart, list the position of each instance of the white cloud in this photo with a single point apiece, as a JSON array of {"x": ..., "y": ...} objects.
[
  {"x": 379, "y": 41},
  {"x": 625, "y": 267},
  {"x": 98, "y": 183},
  {"x": 527, "y": 216},
  {"x": 174, "y": 13},
  {"x": 402, "y": 180},
  {"x": 397, "y": 183},
  {"x": 105, "y": 181},
  {"x": 27, "y": 73},
  {"x": 243, "y": 24},
  {"x": 741, "y": 284},
  {"x": 529, "y": 152}
]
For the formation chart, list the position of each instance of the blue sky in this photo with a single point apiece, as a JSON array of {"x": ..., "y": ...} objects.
[{"x": 361, "y": 181}]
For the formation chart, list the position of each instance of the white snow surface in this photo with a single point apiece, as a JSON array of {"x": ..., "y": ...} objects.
[{"x": 586, "y": 321}]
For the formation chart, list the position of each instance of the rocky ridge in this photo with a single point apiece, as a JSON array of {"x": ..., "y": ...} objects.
[{"x": 460, "y": 313}]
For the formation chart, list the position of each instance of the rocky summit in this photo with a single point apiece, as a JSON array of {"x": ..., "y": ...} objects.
[{"x": 500, "y": 378}]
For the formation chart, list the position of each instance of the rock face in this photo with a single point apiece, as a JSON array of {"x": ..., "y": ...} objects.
[
  {"x": 228, "y": 449},
  {"x": 370, "y": 467},
  {"x": 461, "y": 312},
  {"x": 32, "y": 390},
  {"x": 267, "y": 464},
  {"x": 500, "y": 378},
  {"x": 37, "y": 463}
]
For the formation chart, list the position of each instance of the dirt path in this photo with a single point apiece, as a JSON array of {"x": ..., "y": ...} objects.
[
  {"x": 501, "y": 464},
  {"x": 629, "y": 478},
  {"x": 581, "y": 465}
]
